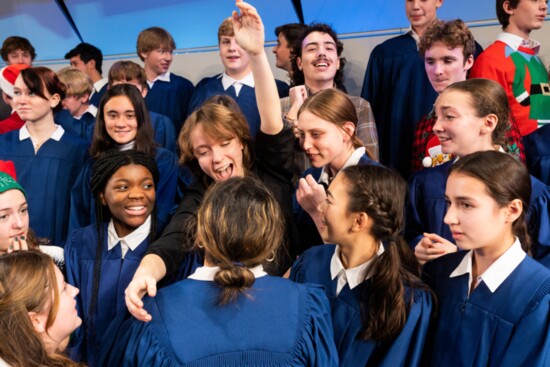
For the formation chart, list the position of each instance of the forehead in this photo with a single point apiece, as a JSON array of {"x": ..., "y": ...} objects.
[
  {"x": 309, "y": 121},
  {"x": 16, "y": 51},
  {"x": 119, "y": 102},
  {"x": 461, "y": 185},
  {"x": 426, "y": 4},
  {"x": 11, "y": 197},
  {"x": 440, "y": 50},
  {"x": 318, "y": 37},
  {"x": 453, "y": 98},
  {"x": 130, "y": 171}
]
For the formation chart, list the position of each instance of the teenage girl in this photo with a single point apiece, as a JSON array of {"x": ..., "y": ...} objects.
[
  {"x": 37, "y": 311},
  {"x": 380, "y": 307},
  {"x": 493, "y": 299},
  {"x": 123, "y": 123},
  {"x": 327, "y": 124},
  {"x": 472, "y": 116},
  {"x": 216, "y": 144},
  {"x": 229, "y": 312},
  {"x": 47, "y": 158},
  {"x": 102, "y": 257}
]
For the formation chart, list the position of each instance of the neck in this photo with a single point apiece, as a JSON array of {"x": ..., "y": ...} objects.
[
  {"x": 238, "y": 75},
  {"x": 317, "y": 85},
  {"x": 484, "y": 257},
  {"x": 336, "y": 165},
  {"x": 482, "y": 147},
  {"x": 150, "y": 74},
  {"x": 96, "y": 76},
  {"x": 359, "y": 251},
  {"x": 81, "y": 110},
  {"x": 42, "y": 129},
  {"x": 523, "y": 33}
]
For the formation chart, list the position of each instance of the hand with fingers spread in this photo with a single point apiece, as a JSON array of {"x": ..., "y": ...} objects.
[
  {"x": 432, "y": 246},
  {"x": 248, "y": 28}
]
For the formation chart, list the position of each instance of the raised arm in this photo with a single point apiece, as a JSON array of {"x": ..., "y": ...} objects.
[{"x": 249, "y": 34}]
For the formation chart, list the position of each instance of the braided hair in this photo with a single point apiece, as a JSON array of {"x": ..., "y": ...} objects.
[
  {"x": 380, "y": 192},
  {"x": 104, "y": 168}
]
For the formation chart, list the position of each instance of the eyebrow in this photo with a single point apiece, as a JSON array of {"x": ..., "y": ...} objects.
[{"x": 317, "y": 43}]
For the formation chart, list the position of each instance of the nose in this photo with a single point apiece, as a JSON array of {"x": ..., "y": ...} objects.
[
  {"x": 73, "y": 290},
  {"x": 305, "y": 141},
  {"x": 416, "y": 4},
  {"x": 438, "y": 126},
  {"x": 232, "y": 45},
  {"x": 450, "y": 217},
  {"x": 544, "y": 5},
  {"x": 135, "y": 192},
  {"x": 216, "y": 155},
  {"x": 438, "y": 68},
  {"x": 18, "y": 221}
]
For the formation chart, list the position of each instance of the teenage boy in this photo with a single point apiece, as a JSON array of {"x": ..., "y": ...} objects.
[
  {"x": 169, "y": 94},
  {"x": 397, "y": 87},
  {"x": 89, "y": 59},
  {"x": 77, "y": 98},
  {"x": 236, "y": 80},
  {"x": 318, "y": 64},
  {"x": 286, "y": 34},
  {"x": 513, "y": 62},
  {"x": 15, "y": 50}
]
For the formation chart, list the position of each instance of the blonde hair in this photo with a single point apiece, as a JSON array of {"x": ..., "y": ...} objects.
[{"x": 78, "y": 83}]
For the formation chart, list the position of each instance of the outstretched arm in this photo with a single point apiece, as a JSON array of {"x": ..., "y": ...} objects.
[{"x": 249, "y": 34}]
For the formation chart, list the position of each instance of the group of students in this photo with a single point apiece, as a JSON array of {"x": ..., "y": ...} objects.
[{"x": 360, "y": 299}]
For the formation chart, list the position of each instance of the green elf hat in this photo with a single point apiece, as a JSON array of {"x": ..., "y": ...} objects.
[{"x": 7, "y": 181}]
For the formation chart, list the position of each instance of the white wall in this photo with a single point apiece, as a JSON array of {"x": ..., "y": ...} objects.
[{"x": 198, "y": 63}]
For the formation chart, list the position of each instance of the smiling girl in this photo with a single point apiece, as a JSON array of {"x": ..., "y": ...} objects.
[
  {"x": 37, "y": 311},
  {"x": 380, "y": 308},
  {"x": 47, "y": 159},
  {"x": 327, "y": 125},
  {"x": 102, "y": 257},
  {"x": 123, "y": 123},
  {"x": 472, "y": 116},
  {"x": 493, "y": 299}
]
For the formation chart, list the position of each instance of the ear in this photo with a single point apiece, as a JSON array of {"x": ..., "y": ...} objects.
[
  {"x": 143, "y": 55},
  {"x": 38, "y": 320},
  {"x": 102, "y": 198},
  {"x": 361, "y": 222},
  {"x": 90, "y": 64},
  {"x": 438, "y": 4},
  {"x": 144, "y": 92},
  {"x": 54, "y": 100},
  {"x": 85, "y": 98},
  {"x": 299, "y": 62},
  {"x": 508, "y": 9},
  {"x": 490, "y": 124},
  {"x": 349, "y": 128},
  {"x": 338, "y": 63},
  {"x": 514, "y": 210},
  {"x": 469, "y": 63}
]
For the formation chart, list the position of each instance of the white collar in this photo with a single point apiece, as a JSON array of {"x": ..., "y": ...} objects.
[
  {"x": 207, "y": 273},
  {"x": 228, "y": 81},
  {"x": 126, "y": 146},
  {"x": 25, "y": 134},
  {"x": 100, "y": 84},
  {"x": 131, "y": 241},
  {"x": 92, "y": 110},
  {"x": 354, "y": 276},
  {"x": 497, "y": 273},
  {"x": 353, "y": 160},
  {"x": 164, "y": 77},
  {"x": 515, "y": 41},
  {"x": 414, "y": 35}
]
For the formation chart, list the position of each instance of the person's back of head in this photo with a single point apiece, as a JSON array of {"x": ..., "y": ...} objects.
[
  {"x": 17, "y": 50},
  {"x": 86, "y": 53},
  {"x": 240, "y": 226}
]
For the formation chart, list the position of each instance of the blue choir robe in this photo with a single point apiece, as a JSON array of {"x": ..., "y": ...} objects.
[
  {"x": 70, "y": 124},
  {"x": 427, "y": 208},
  {"x": 116, "y": 274},
  {"x": 281, "y": 324},
  {"x": 163, "y": 129},
  {"x": 47, "y": 178},
  {"x": 537, "y": 151},
  {"x": 510, "y": 327},
  {"x": 171, "y": 99},
  {"x": 406, "y": 350},
  {"x": 82, "y": 212},
  {"x": 212, "y": 86},
  {"x": 96, "y": 97},
  {"x": 307, "y": 230}
]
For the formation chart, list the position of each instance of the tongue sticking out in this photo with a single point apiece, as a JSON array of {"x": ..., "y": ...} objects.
[{"x": 226, "y": 172}]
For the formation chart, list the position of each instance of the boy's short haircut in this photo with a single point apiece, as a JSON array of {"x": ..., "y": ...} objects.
[
  {"x": 153, "y": 38},
  {"x": 290, "y": 31},
  {"x": 226, "y": 29},
  {"x": 127, "y": 71},
  {"x": 453, "y": 34},
  {"x": 15, "y": 43},
  {"x": 77, "y": 82},
  {"x": 87, "y": 52},
  {"x": 503, "y": 17}
]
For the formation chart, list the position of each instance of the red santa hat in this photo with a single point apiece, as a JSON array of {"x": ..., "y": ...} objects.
[{"x": 8, "y": 75}]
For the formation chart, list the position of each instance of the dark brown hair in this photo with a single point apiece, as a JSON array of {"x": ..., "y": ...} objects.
[
  {"x": 487, "y": 97},
  {"x": 27, "y": 284},
  {"x": 126, "y": 71},
  {"x": 144, "y": 142},
  {"x": 152, "y": 38},
  {"x": 15, "y": 43},
  {"x": 453, "y": 34},
  {"x": 240, "y": 225},
  {"x": 502, "y": 16},
  {"x": 385, "y": 305},
  {"x": 505, "y": 179},
  {"x": 40, "y": 80}
]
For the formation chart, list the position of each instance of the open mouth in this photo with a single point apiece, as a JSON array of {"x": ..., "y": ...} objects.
[
  {"x": 225, "y": 172},
  {"x": 136, "y": 209}
]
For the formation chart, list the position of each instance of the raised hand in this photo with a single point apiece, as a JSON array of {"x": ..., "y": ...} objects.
[{"x": 248, "y": 28}]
